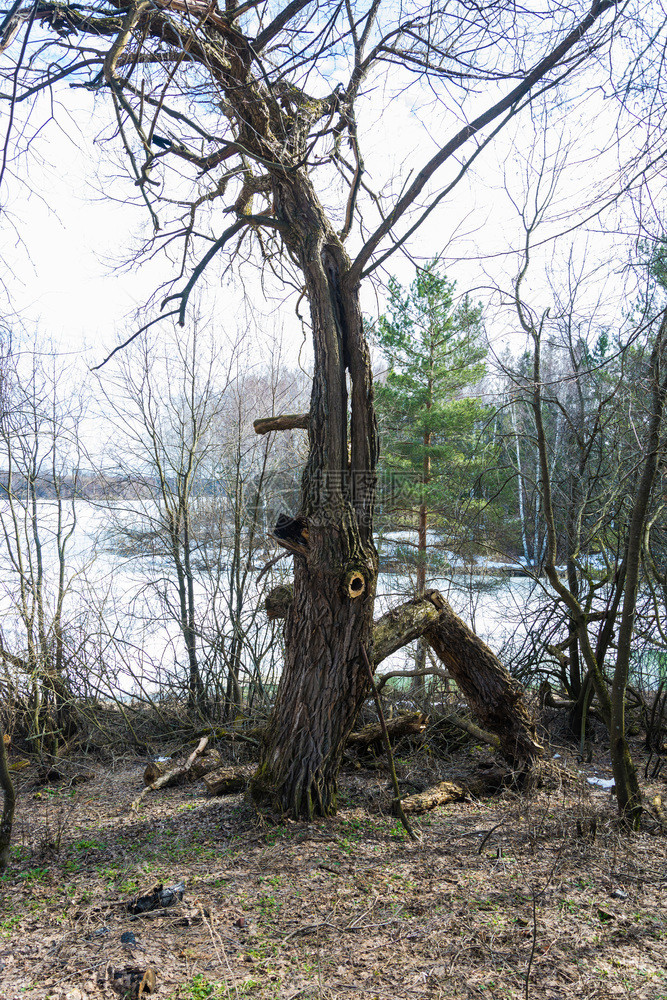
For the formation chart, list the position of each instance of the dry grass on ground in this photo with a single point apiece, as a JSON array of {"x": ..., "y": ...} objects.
[{"x": 542, "y": 887}]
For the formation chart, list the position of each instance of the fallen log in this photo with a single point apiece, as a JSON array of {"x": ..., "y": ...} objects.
[
  {"x": 173, "y": 776},
  {"x": 402, "y": 725},
  {"x": 229, "y": 780},
  {"x": 438, "y": 795},
  {"x": 201, "y": 766},
  {"x": 494, "y": 697}
]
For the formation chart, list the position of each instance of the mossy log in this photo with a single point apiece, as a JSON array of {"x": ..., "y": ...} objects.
[
  {"x": 494, "y": 697},
  {"x": 229, "y": 780}
]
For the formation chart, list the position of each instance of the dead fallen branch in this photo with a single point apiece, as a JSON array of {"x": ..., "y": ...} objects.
[
  {"x": 549, "y": 700},
  {"x": 402, "y": 725},
  {"x": 229, "y": 780},
  {"x": 202, "y": 765},
  {"x": 438, "y": 795},
  {"x": 173, "y": 776},
  {"x": 252, "y": 736}
]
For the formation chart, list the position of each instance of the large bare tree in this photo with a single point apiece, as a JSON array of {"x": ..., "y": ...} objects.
[{"x": 242, "y": 99}]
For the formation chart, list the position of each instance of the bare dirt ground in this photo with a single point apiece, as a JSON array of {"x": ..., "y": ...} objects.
[{"x": 536, "y": 897}]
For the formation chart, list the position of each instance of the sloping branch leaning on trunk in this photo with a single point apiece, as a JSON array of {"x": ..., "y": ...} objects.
[{"x": 494, "y": 697}]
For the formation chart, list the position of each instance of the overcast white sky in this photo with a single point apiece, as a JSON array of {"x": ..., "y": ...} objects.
[{"x": 66, "y": 239}]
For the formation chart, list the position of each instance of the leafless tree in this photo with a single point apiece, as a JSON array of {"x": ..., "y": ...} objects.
[
  {"x": 605, "y": 478},
  {"x": 40, "y": 457},
  {"x": 164, "y": 401},
  {"x": 256, "y": 478},
  {"x": 239, "y": 98}
]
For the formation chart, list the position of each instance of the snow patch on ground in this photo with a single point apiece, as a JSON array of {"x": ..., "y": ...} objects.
[{"x": 607, "y": 783}]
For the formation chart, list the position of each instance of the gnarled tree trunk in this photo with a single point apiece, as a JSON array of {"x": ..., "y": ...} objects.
[
  {"x": 493, "y": 695},
  {"x": 329, "y": 619}
]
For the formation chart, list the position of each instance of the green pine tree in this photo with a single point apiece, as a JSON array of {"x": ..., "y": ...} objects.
[{"x": 429, "y": 421}]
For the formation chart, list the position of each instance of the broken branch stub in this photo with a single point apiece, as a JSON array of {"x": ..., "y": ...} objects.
[{"x": 287, "y": 422}]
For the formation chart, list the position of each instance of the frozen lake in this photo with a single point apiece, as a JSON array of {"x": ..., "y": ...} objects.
[{"x": 121, "y": 609}]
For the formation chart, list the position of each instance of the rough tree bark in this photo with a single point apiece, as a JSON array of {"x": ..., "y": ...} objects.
[
  {"x": 9, "y": 799},
  {"x": 494, "y": 697},
  {"x": 330, "y": 618}
]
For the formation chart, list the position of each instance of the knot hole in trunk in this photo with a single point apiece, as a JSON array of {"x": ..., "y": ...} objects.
[{"x": 355, "y": 584}]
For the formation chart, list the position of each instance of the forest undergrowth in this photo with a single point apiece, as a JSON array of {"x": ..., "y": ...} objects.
[{"x": 534, "y": 895}]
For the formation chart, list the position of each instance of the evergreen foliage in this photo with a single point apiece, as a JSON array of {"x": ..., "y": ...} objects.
[{"x": 430, "y": 421}]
